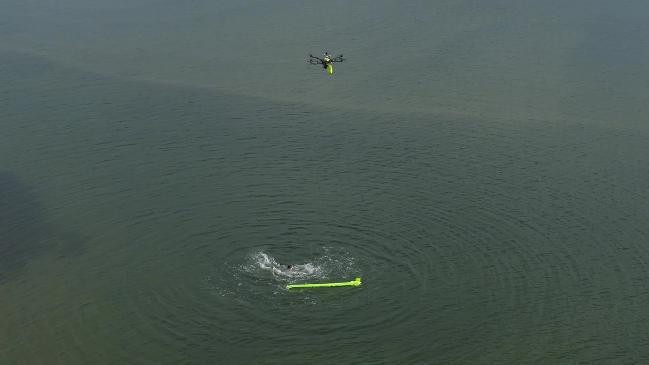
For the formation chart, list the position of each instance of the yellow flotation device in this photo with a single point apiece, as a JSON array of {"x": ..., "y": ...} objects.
[
  {"x": 356, "y": 282},
  {"x": 330, "y": 69}
]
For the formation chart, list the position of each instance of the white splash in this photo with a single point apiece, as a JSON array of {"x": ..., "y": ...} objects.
[{"x": 263, "y": 262}]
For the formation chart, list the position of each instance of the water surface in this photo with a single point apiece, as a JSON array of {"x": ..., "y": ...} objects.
[{"x": 482, "y": 167}]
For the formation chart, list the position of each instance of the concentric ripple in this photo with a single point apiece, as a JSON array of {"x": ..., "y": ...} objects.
[{"x": 454, "y": 236}]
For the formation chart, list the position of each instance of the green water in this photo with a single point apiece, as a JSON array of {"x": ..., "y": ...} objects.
[{"x": 483, "y": 167}]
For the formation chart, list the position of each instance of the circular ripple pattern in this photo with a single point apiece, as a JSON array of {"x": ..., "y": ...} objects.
[{"x": 468, "y": 250}]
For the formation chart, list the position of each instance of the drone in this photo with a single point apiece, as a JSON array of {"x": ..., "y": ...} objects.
[{"x": 326, "y": 61}]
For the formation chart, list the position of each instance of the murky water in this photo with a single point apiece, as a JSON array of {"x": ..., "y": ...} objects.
[{"x": 483, "y": 168}]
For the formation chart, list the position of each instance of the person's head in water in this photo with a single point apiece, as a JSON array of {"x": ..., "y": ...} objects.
[{"x": 289, "y": 267}]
